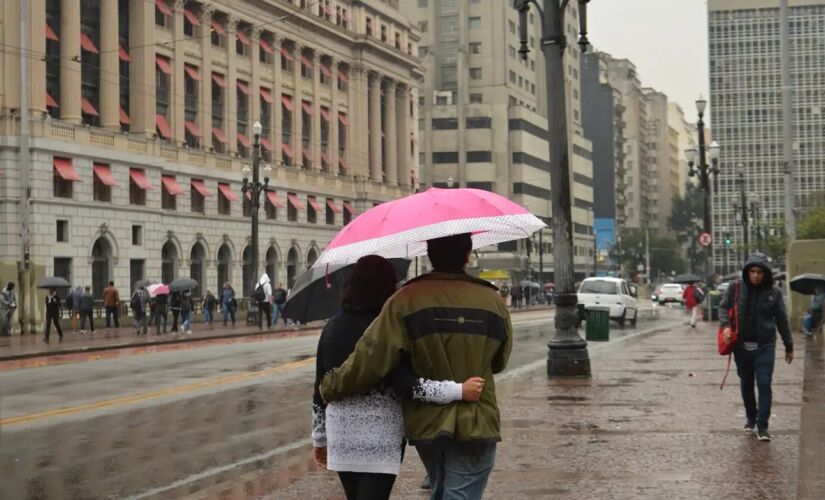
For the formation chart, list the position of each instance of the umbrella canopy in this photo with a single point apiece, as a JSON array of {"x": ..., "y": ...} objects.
[
  {"x": 157, "y": 289},
  {"x": 53, "y": 282},
  {"x": 312, "y": 299},
  {"x": 687, "y": 278},
  {"x": 529, "y": 284},
  {"x": 401, "y": 228},
  {"x": 806, "y": 283},
  {"x": 144, "y": 283},
  {"x": 182, "y": 285}
]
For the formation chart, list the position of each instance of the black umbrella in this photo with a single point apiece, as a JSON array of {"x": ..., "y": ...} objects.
[
  {"x": 53, "y": 282},
  {"x": 144, "y": 283},
  {"x": 807, "y": 283},
  {"x": 182, "y": 285},
  {"x": 311, "y": 299},
  {"x": 687, "y": 278}
]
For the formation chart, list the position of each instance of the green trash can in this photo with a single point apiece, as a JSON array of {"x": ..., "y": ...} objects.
[{"x": 598, "y": 324}]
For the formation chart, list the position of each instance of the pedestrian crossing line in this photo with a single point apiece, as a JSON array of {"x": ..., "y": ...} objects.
[{"x": 160, "y": 393}]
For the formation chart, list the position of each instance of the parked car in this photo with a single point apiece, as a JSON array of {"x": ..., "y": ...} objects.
[
  {"x": 670, "y": 292},
  {"x": 613, "y": 293}
]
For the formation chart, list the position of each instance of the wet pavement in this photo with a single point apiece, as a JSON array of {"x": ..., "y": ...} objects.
[{"x": 651, "y": 423}]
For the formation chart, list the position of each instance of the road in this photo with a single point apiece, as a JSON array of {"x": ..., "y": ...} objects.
[{"x": 173, "y": 423}]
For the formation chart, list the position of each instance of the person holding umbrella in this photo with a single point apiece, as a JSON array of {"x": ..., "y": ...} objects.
[
  {"x": 140, "y": 306},
  {"x": 52, "y": 314}
]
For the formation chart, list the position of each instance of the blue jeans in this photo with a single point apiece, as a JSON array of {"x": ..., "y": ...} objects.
[
  {"x": 458, "y": 471},
  {"x": 207, "y": 316},
  {"x": 185, "y": 323},
  {"x": 756, "y": 365},
  {"x": 277, "y": 311}
]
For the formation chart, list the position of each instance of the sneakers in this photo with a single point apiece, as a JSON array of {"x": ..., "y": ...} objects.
[
  {"x": 750, "y": 426},
  {"x": 763, "y": 435},
  {"x": 425, "y": 483}
]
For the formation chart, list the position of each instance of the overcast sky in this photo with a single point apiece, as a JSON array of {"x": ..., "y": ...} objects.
[{"x": 665, "y": 39}]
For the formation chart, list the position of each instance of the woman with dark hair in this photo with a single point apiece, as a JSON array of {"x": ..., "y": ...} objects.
[{"x": 362, "y": 438}]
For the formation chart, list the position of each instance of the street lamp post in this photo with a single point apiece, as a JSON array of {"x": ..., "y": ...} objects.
[
  {"x": 253, "y": 191},
  {"x": 742, "y": 210},
  {"x": 567, "y": 351}
]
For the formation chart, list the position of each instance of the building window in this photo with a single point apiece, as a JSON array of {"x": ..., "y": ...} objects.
[
  {"x": 197, "y": 197},
  {"x": 384, "y": 33},
  {"x": 218, "y": 85},
  {"x": 242, "y": 112},
  {"x": 102, "y": 182},
  {"x": 61, "y": 186},
  {"x": 512, "y": 76},
  {"x": 137, "y": 193},
  {"x": 52, "y": 58},
  {"x": 191, "y": 82},
  {"x": 445, "y": 123},
  {"x": 475, "y": 73},
  {"x": 445, "y": 157},
  {"x": 292, "y": 209},
  {"x": 512, "y": 26},
  {"x": 137, "y": 235},
  {"x": 347, "y": 212},
  {"x": 475, "y": 47},
  {"x": 479, "y": 156},
  {"x": 218, "y": 35},
  {"x": 163, "y": 14},
  {"x": 168, "y": 196},
  {"x": 369, "y": 26},
  {"x": 269, "y": 207},
  {"x": 306, "y": 66},
  {"x": 224, "y": 200},
  {"x": 422, "y": 52},
  {"x": 62, "y": 231},
  {"x": 479, "y": 122},
  {"x": 63, "y": 268},
  {"x": 286, "y": 130},
  {"x": 474, "y": 23},
  {"x": 190, "y": 21},
  {"x": 422, "y": 3},
  {"x": 330, "y": 213},
  {"x": 475, "y": 98},
  {"x": 312, "y": 210}
]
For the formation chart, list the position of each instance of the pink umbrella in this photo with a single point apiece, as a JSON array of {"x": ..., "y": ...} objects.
[
  {"x": 159, "y": 289},
  {"x": 401, "y": 228}
]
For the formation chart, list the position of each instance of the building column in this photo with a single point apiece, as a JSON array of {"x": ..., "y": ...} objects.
[
  {"x": 376, "y": 173},
  {"x": 37, "y": 65},
  {"x": 231, "y": 119},
  {"x": 109, "y": 67},
  {"x": 297, "y": 107},
  {"x": 358, "y": 145},
  {"x": 277, "y": 111},
  {"x": 178, "y": 97},
  {"x": 315, "y": 145},
  {"x": 415, "y": 147},
  {"x": 390, "y": 119},
  {"x": 334, "y": 167},
  {"x": 206, "y": 81},
  {"x": 402, "y": 111},
  {"x": 141, "y": 67},
  {"x": 70, "y": 61}
]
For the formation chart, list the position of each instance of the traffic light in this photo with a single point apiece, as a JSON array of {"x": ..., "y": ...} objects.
[{"x": 728, "y": 241}]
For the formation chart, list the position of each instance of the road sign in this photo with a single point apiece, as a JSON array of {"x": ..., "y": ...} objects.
[{"x": 705, "y": 239}]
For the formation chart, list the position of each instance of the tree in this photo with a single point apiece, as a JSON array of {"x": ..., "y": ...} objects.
[
  {"x": 812, "y": 226},
  {"x": 686, "y": 221},
  {"x": 665, "y": 254}
]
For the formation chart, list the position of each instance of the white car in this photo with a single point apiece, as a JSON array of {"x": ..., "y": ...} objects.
[
  {"x": 613, "y": 293},
  {"x": 670, "y": 292}
]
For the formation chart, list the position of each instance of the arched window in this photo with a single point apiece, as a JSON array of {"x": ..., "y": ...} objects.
[
  {"x": 312, "y": 256},
  {"x": 197, "y": 259},
  {"x": 291, "y": 267},
  {"x": 101, "y": 266},
  {"x": 272, "y": 265},
  {"x": 224, "y": 265},
  {"x": 168, "y": 262}
]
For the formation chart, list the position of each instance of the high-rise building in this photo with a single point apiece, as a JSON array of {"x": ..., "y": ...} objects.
[
  {"x": 141, "y": 120},
  {"x": 483, "y": 120},
  {"x": 663, "y": 159},
  {"x": 746, "y": 108},
  {"x": 686, "y": 133}
]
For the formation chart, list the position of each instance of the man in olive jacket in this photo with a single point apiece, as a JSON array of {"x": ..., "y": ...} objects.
[{"x": 452, "y": 326}]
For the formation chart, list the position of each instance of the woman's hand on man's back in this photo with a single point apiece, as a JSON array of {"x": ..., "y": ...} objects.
[{"x": 471, "y": 389}]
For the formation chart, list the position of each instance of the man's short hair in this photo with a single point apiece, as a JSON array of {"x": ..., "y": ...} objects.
[
  {"x": 111, "y": 283},
  {"x": 450, "y": 252},
  {"x": 88, "y": 289}
]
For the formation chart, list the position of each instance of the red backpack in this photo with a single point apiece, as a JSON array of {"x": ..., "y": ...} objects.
[{"x": 726, "y": 348}]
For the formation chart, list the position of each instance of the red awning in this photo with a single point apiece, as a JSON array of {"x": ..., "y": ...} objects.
[
  {"x": 124, "y": 56},
  {"x": 163, "y": 64},
  {"x": 192, "y": 128},
  {"x": 124, "y": 118},
  {"x": 244, "y": 140},
  {"x": 217, "y": 27},
  {"x": 219, "y": 135},
  {"x": 87, "y": 107},
  {"x": 65, "y": 169},
  {"x": 307, "y": 154},
  {"x": 87, "y": 44},
  {"x": 285, "y": 52},
  {"x": 305, "y": 61},
  {"x": 266, "y": 47},
  {"x": 342, "y": 162},
  {"x": 227, "y": 192},
  {"x": 285, "y": 99},
  {"x": 242, "y": 37},
  {"x": 192, "y": 72},
  {"x": 171, "y": 185},
  {"x": 324, "y": 113},
  {"x": 200, "y": 187},
  {"x": 325, "y": 69},
  {"x": 287, "y": 150},
  {"x": 307, "y": 107},
  {"x": 295, "y": 201},
  {"x": 348, "y": 207},
  {"x": 193, "y": 18},
  {"x": 218, "y": 78},
  {"x": 266, "y": 95},
  {"x": 50, "y": 34},
  {"x": 342, "y": 76},
  {"x": 325, "y": 158},
  {"x": 332, "y": 206},
  {"x": 244, "y": 88},
  {"x": 266, "y": 144},
  {"x": 343, "y": 119},
  {"x": 50, "y": 102},
  {"x": 274, "y": 200},
  {"x": 161, "y": 5},
  {"x": 163, "y": 126},
  {"x": 139, "y": 176},
  {"x": 104, "y": 173}
]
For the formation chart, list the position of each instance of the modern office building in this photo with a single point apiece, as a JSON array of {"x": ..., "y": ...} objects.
[
  {"x": 484, "y": 125},
  {"x": 746, "y": 108},
  {"x": 141, "y": 122},
  {"x": 663, "y": 159}
]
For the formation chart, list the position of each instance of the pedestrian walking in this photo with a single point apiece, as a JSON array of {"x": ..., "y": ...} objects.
[
  {"x": 8, "y": 304},
  {"x": 263, "y": 299},
  {"x": 174, "y": 306},
  {"x": 208, "y": 305},
  {"x": 111, "y": 304},
  {"x": 53, "y": 310},
  {"x": 161, "y": 312},
  {"x": 362, "y": 437},
  {"x": 186, "y": 312},
  {"x": 693, "y": 296},
  {"x": 761, "y": 313},
  {"x": 279, "y": 299},
  {"x": 453, "y": 327},
  {"x": 140, "y": 310},
  {"x": 87, "y": 303},
  {"x": 228, "y": 303},
  {"x": 813, "y": 318},
  {"x": 504, "y": 291},
  {"x": 74, "y": 308}
]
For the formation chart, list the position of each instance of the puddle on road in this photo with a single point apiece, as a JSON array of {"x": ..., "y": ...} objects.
[{"x": 567, "y": 398}]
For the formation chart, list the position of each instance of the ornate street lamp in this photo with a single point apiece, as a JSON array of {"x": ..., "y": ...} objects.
[{"x": 253, "y": 191}]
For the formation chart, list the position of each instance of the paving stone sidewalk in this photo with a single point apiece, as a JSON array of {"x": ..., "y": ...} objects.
[{"x": 650, "y": 424}]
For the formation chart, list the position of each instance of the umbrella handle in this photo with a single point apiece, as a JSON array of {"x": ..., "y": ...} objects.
[{"x": 326, "y": 277}]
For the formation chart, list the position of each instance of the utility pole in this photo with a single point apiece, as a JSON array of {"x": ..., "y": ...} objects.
[
  {"x": 567, "y": 351},
  {"x": 787, "y": 117},
  {"x": 647, "y": 255},
  {"x": 743, "y": 204}
]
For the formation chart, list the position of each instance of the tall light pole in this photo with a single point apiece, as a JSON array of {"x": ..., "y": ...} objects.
[
  {"x": 567, "y": 352},
  {"x": 742, "y": 210},
  {"x": 253, "y": 191}
]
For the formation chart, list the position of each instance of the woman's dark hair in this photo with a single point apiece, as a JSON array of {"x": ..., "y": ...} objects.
[{"x": 371, "y": 284}]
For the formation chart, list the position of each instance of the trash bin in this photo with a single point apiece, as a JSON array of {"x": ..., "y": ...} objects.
[
  {"x": 713, "y": 300},
  {"x": 598, "y": 324}
]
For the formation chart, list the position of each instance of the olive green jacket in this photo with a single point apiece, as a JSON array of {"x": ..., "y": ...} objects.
[{"x": 453, "y": 327}]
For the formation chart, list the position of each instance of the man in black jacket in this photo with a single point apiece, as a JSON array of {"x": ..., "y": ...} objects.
[
  {"x": 52, "y": 314},
  {"x": 761, "y": 312}
]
